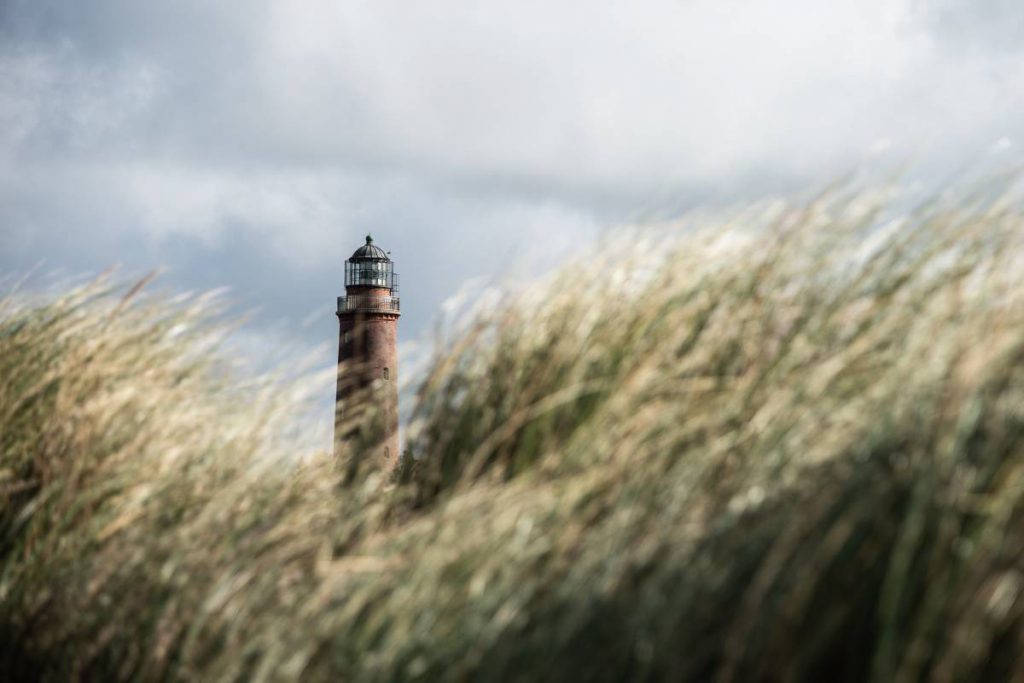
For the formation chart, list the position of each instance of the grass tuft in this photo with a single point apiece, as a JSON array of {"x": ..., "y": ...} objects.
[{"x": 787, "y": 445}]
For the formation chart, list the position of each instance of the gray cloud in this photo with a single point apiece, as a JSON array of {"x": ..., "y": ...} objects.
[
  {"x": 994, "y": 26},
  {"x": 252, "y": 144}
]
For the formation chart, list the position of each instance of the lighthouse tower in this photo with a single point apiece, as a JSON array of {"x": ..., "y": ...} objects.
[{"x": 368, "y": 349}]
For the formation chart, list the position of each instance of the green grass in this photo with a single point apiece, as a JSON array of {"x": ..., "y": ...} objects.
[{"x": 788, "y": 445}]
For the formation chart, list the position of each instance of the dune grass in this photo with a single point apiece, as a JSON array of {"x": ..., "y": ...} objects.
[{"x": 787, "y": 445}]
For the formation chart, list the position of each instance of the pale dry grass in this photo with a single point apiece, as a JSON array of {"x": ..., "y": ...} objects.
[{"x": 795, "y": 451}]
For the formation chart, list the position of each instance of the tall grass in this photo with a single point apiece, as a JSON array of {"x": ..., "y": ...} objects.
[{"x": 786, "y": 445}]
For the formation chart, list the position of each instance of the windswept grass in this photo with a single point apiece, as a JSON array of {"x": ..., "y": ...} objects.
[{"x": 790, "y": 445}]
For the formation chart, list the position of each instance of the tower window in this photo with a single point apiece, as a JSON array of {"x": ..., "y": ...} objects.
[
  {"x": 346, "y": 337},
  {"x": 387, "y": 373}
]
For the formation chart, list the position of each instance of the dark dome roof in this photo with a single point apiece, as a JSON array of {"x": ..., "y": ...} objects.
[{"x": 369, "y": 252}]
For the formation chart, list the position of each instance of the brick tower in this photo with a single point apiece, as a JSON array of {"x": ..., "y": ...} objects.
[{"x": 368, "y": 348}]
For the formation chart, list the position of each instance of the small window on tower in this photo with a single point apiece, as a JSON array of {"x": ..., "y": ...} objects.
[
  {"x": 345, "y": 338},
  {"x": 387, "y": 374}
]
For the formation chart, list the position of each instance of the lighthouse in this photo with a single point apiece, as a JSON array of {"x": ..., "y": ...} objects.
[{"x": 368, "y": 351}]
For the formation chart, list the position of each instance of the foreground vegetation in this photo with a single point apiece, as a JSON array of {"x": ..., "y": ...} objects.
[{"x": 786, "y": 445}]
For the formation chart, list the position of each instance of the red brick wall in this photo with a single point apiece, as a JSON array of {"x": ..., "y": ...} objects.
[{"x": 370, "y": 346}]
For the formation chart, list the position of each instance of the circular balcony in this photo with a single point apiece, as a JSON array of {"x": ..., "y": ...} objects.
[{"x": 368, "y": 304}]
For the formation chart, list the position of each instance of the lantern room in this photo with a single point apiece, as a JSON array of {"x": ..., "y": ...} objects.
[{"x": 370, "y": 266}]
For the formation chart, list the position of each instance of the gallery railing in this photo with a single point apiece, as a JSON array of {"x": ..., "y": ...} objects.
[{"x": 374, "y": 304}]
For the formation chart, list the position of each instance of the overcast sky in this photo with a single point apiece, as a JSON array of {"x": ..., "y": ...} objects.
[{"x": 251, "y": 144}]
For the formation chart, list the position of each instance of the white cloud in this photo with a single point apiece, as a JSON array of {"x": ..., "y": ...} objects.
[
  {"x": 582, "y": 98},
  {"x": 595, "y": 93},
  {"x": 616, "y": 98}
]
